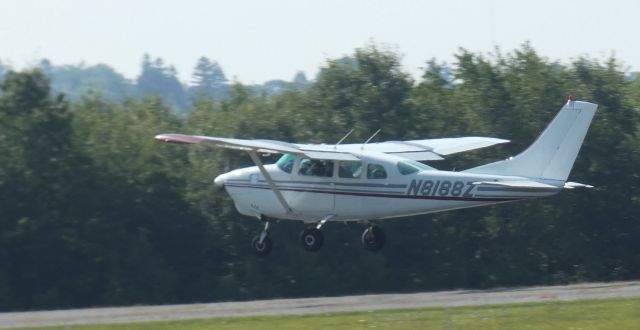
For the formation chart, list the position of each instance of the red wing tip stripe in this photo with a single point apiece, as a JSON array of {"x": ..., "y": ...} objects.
[{"x": 178, "y": 138}]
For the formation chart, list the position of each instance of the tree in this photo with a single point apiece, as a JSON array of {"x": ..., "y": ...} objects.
[
  {"x": 164, "y": 243},
  {"x": 40, "y": 179},
  {"x": 76, "y": 81},
  {"x": 365, "y": 92},
  {"x": 209, "y": 79},
  {"x": 157, "y": 79},
  {"x": 300, "y": 79},
  {"x": 431, "y": 104}
]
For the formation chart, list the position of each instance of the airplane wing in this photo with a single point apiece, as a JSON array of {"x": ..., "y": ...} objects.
[
  {"x": 430, "y": 149},
  {"x": 421, "y": 150}
]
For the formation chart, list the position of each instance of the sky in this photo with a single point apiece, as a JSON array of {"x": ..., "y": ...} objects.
[{"x": 256, "y": 41}]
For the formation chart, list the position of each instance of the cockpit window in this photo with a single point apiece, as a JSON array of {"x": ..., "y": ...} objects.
[
  {"x": 285, "y": 162},
  {"x": 376, "y": 171},
  {"x": 316, "y": 167},
  {"x": 349, "y": 169}
]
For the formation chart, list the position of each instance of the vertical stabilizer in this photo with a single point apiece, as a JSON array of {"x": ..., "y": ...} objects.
[{"x": 552, "y": 155}]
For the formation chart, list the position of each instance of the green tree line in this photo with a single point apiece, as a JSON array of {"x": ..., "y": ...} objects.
[
  {"x": 94, "y": 212},
  {"x": 156, "y": 78}
]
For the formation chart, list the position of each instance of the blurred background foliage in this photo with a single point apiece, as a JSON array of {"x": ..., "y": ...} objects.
[{"x": 94, "y": 212}]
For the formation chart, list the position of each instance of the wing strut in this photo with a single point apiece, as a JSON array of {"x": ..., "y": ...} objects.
[{"x": 254, "y": 156}]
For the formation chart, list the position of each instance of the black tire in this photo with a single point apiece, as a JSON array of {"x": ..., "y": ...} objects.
[
  {"x": 311, "y": 239},
  {"x": 373, "y": 238},
  {"x": 262, "y": 250}
]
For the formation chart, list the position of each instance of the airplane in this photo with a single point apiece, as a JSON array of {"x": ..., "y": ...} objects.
[{"x": 321, "y": 183}]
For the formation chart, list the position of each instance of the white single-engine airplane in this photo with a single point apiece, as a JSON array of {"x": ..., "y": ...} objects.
[{"x": 319, "y": 183}]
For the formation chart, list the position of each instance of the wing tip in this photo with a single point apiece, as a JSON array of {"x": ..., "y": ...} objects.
[
  {"x": 177, "y": 138},
  {"x": 499, "y": 140}
]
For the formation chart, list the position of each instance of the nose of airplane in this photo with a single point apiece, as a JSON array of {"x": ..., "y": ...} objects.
[{"x": 220, "y": 180}]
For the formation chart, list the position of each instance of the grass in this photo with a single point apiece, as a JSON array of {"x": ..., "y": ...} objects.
[{"x": 620, "y": 313}]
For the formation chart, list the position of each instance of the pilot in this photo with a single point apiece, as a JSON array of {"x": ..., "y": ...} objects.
[{"x": 318, "y": 169}]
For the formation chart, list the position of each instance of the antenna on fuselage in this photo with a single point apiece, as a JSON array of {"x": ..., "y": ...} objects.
[
  {"x": 369, "y": 139},
  {"x": 344, "y": 137}
]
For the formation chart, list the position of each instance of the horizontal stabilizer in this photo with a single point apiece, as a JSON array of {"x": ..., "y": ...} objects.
[
  {"x": 571, "y": 185},
  {"x": 517, "y": 184}
]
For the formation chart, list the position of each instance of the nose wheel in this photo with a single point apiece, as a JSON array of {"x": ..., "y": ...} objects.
[
  {"x": 262, "y": 243},
  {"x": 311, "y": 239},
  {"x": 262, "y": 248},
  {"x": 373, "y": 238}
]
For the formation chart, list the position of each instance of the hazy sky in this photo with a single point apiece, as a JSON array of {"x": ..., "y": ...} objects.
[{"x": 255, "y": 41}]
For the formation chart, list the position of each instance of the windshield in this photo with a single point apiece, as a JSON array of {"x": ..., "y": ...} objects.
[{"x": 285, "y": 162}]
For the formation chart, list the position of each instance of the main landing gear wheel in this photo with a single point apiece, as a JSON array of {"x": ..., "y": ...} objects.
[
  {"x": 262, "y": 249},
  {"x": 373, "y": 238},
  {"x": 311, "y": 239}
]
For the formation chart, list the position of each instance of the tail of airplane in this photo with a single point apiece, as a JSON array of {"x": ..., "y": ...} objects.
[{"x": 552, "y": 155}]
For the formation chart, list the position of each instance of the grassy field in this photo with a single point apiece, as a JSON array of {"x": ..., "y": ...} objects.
[{"x": 588, "y": 314}]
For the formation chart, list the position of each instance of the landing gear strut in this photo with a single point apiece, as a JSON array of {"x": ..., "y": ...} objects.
[
  {"x": 373, "y": 238},
  {"x": 262, "y": 244}
]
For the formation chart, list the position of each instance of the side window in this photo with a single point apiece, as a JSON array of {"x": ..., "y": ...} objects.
[
  {"x": 376, "y": 171},
  {"x": 349, "y": 169},
  {"x": 316, "y": 167},
  {"x": 406, "y": 168}
]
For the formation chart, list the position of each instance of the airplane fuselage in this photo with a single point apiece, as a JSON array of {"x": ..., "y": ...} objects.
[{"x": 312, "y": 198}]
